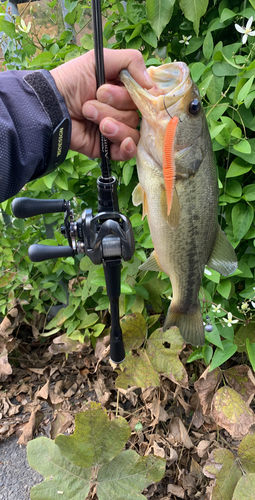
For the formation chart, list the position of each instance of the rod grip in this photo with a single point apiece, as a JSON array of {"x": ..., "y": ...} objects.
[
  {"x": 38, "y": 253},
  {"x": 28, "y": 207}
]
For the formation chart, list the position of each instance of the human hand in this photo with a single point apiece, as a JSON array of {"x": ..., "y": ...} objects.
[{"x": 110, "y": 107}]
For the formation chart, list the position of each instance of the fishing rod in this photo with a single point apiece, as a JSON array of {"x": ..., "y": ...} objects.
[{"x": 105, "y": 238}]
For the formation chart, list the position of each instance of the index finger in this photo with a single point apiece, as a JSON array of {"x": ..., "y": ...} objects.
[{"x": 116, "y": 60}]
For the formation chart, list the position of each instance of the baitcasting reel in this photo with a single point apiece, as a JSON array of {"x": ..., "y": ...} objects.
[{"x": 105, "y": 238}]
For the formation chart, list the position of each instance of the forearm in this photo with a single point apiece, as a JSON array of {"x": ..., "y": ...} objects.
[{"x": 35, "y": 128}]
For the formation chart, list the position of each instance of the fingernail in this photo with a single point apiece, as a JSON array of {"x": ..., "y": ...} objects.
[
  {"x": 104, "y": 96},
  {"x": 90, "y": 112},
  {"x": 128, "y": 145},
  {"x": 109, "y": 127},
  {"x": 148, "y": 79}
]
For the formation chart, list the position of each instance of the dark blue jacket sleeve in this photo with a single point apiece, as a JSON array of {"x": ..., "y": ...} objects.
[{"x": 31, "y": 113}]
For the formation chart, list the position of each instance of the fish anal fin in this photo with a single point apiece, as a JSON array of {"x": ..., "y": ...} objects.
[
  {"x": 151, "y": 264},
  {"x": 223, "y": 257},
  {"x": 174, "y": 216},
  {"x": 190, "y": 324}
]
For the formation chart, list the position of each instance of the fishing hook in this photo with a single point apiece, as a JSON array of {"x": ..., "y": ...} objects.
[{"x": 167, "y": 109}]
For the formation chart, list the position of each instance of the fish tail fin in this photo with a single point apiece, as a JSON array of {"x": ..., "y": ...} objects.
[{"x": 190, "y": 324}]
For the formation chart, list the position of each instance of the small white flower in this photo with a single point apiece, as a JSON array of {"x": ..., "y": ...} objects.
[
  {"x": 23, "y": 26},
  {"x": 185, "y": 39},
  {"x": 230, "y": 321},
  {"x": 217, "y": 308},
  {"x": 253, "y": 304},
  {"x": 246, "y": 31}
]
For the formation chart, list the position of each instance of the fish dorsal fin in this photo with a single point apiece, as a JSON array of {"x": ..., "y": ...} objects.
[
  {"x": 174, "y": 216},
  {"x": 151, "y": 264},
  {"x": 138, "y": 197},
  {"x": 168, "y": 160},
  {"x": 223, "y": 258}
]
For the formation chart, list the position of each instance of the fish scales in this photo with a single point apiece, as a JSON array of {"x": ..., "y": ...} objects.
[{"x": 189, "y": 238}]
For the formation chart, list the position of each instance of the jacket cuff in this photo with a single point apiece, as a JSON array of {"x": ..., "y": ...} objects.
[{"x": 43, "y": 85}]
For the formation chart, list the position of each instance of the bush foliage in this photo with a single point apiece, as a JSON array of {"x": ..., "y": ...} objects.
[{"x": 204, "y": 34}]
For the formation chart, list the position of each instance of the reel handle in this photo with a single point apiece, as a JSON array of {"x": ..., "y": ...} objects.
[
  {"x": 38, "y": 253},
  {"x": 28, "y": 207}
]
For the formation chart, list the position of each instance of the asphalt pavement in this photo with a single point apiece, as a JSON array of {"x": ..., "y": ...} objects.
[{"x": 16, "y": 476}]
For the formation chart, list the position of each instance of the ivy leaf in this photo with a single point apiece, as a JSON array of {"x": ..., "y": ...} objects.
[
  {"x": 97, "y": 444},
  {"x": 164, "y": 349},
  {"x": 128, "y": 474},
  {"x": 159, "y": 13},
  {"x": 221, "y": 466},
  {"x": 60, "y": 474},
  {"x": 193, "y": 11},
  {"x": 230, "y": 411},
  {"x": 134, "y": 330},
  {"x": 245, "y": 488},
  {"x": 137, "y": 371},
  {"x": 95, "y": 440}
]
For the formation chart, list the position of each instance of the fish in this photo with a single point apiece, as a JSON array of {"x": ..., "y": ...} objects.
[{"x": 178, "y": 189}]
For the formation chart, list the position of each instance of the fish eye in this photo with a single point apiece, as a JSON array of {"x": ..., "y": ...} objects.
[{"x": 194, "y": 107}]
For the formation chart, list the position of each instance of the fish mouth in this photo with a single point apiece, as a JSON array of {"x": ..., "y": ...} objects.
[{"x": 170, "y": 83}]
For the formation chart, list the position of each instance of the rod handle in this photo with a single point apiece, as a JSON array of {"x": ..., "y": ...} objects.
[{"x": 38, "y": 253}]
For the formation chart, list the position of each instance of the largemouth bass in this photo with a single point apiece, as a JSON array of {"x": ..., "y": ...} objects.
[{"x": 179, "y": 190}]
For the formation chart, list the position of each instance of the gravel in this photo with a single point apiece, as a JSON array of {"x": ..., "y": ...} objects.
[{"x": 16, "y": 476}]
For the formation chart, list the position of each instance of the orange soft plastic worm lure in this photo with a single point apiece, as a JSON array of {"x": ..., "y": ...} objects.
[{"x": 168, "y": 160}]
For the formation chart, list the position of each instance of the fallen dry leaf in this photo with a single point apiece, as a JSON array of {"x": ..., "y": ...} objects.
[
  {"x": 231, "y": 412},
  {"x": 176, "y": 490},
  {"x": 202, "y": 447},
  {"x": 61, "y": 423},
  {"x": 241, "y": 379},
  {"x": 5, "y": 367},
  {"x": 206, "y": 386},
  {"x": 178, "y": 433},
  {"x": 28, "y": 431}
]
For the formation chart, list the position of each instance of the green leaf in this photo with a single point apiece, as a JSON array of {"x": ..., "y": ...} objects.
[
  {"x": 227, "y": 14},
  {"x": 127, "y": 475},
  {"x": 193, "y": 10},
  {"x": 215, "y": 88},
  {"x": 96, "y": 440},
  {"x": 164, "y": 349},
  {"x": 224, "y": 288},
  {"x": 245, "y": 488},
  {"x": 42, "y": 59},
  {"x": 137, "y": 371},
  {"x": 238, "y": 167},
  {"x": 245, "y": 90},
  {"x": 159, "y": 13},
  {"x": 90, "y": 320},
  {"x": 243, "y": 146},
  {"x": 8, "y": 28},
  {"x": 208, "y": 46},
  {"x": 63, "y": 314},
  {"x": 249, "y": 192},
  {"x": 62, "y": 181},
  {"x": 127, "y": 173},
  {"x": 60, "y": 474},
  {"x": 149, "y": 36},
  {"x": 136, "y": 11},
  {"x": 251, "y": 353},
  {"x": 134, "y": 330},
  {"x": 225, "y": 471},
  {"x": 242, "y": 217},
  {"x": 220, "y": 356},
  {"x": 87, "y": 42},
  {"x": 196, "y": 70}
]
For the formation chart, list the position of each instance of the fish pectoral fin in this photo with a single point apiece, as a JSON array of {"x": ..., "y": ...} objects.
[
  {"x": 223, "y": 257},
  {"x": 137, "y": 195},
  {"x": 151, "y": 264},
  {"x": 174, "y": 216}
]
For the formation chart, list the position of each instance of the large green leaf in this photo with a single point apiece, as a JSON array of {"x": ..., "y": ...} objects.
[
  {"x": 119, "y": 475},
  {"x": 242, "y": 217},
  {"x": 159, "y": 13},
  {"x": 95, "y": 440},
  {"x": 127, "y": 475},
  {"x": 63, "y": 479},
  {"x": 194, "y": 10}
]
